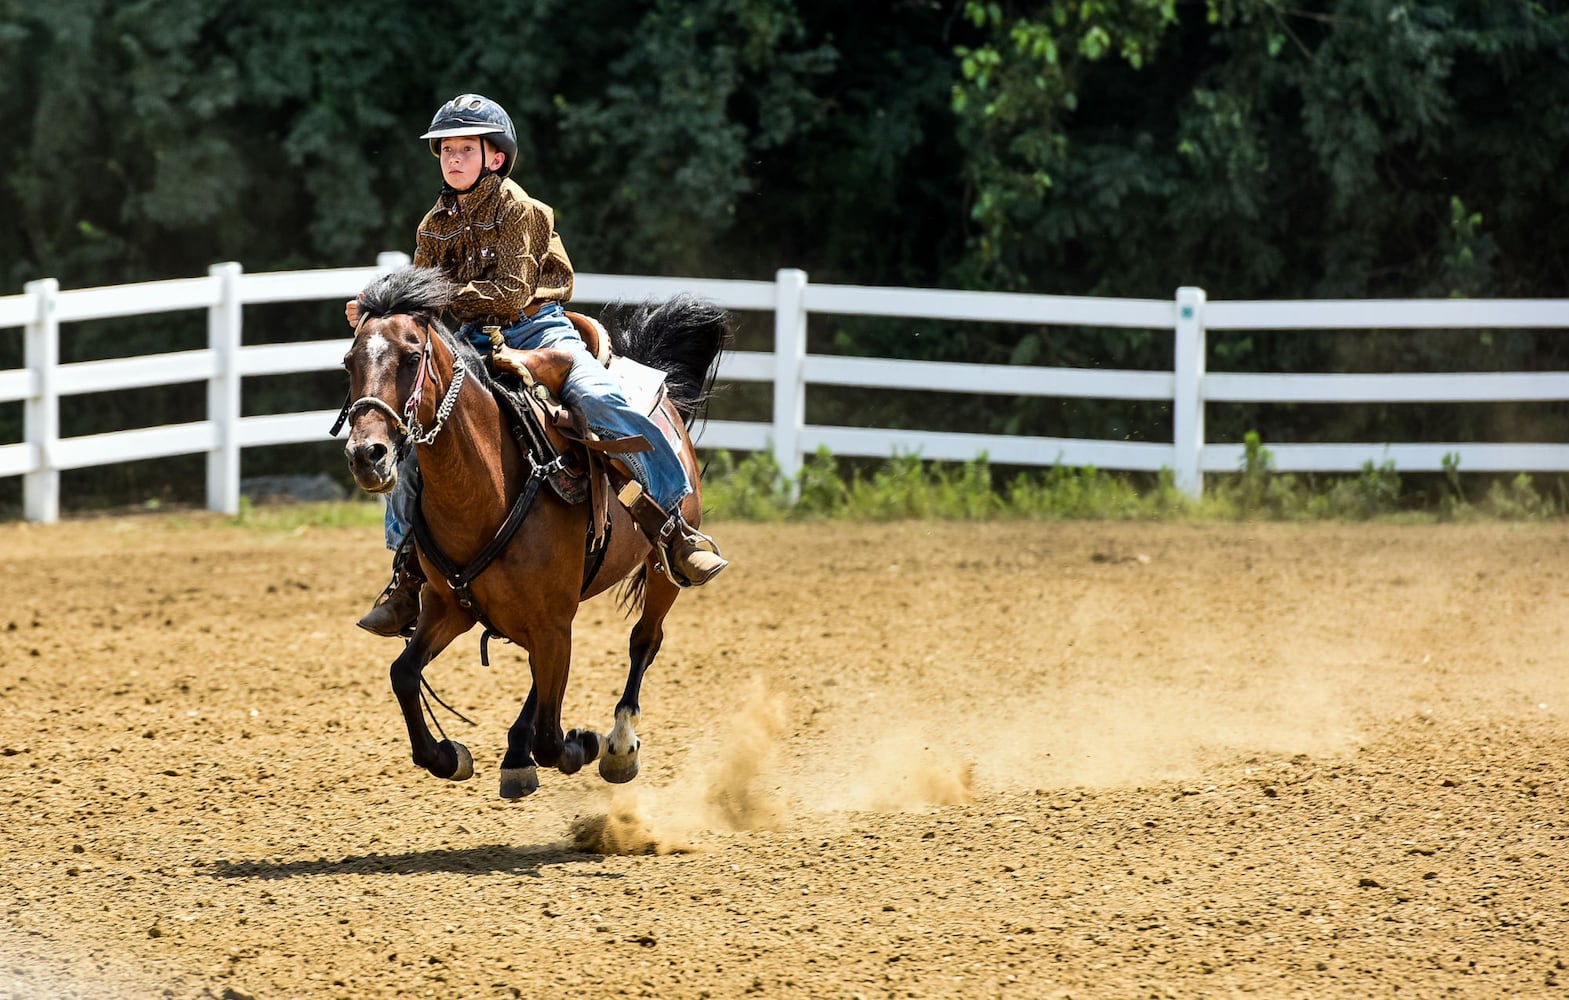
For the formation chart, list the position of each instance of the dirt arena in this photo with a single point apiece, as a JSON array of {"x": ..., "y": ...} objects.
[{"x": 909, "y": 760}]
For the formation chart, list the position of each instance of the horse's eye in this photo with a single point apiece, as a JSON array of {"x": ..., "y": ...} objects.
[{"x": 409, "y": 360}]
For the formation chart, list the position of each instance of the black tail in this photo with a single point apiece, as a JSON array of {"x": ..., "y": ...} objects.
[{"x": 683, "y": 337}]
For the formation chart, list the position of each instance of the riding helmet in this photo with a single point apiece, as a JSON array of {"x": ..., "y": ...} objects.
[{"x": 473, "y": 114}]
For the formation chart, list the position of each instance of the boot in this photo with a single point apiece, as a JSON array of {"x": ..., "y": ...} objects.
[
  {"x": 397, "y": 608},
  {"x": 690, "y": 557}
]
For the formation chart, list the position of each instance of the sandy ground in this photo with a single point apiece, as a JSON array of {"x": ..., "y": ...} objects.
[{"x": 911, "y": 760}]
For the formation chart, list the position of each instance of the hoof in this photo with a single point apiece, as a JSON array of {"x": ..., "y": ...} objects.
[
  {"x": 465, "y": 765},
  {"x": 517, "y": 782},
  {"x": 571, "y": 759},
  {"x": 618, "y": 771},
  {"x": 592, "y": 743}
]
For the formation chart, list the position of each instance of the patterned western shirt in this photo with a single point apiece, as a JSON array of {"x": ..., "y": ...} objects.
[{"x": 500, "y": 246}]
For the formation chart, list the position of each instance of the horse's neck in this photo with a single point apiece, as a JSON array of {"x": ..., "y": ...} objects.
[{"x": 467, "y": 462}]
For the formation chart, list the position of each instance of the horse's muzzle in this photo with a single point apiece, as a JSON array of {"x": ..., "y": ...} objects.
[{"x": 373, "y": 464}]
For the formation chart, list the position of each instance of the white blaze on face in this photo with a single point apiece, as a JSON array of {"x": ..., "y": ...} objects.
[
  {"x": 377, "y": 347},
  {"x": 378, "y": 365}
]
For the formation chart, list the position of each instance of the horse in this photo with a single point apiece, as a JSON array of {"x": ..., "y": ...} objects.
[{"x": 413, "y": 383}]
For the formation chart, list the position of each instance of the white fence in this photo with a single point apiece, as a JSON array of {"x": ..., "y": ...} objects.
[{"x": 43, "y": 383}]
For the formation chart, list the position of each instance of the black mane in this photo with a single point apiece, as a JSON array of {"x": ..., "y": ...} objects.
[{"x": 420, "y": 291}]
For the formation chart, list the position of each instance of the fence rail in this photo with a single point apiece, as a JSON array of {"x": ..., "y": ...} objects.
[{"x": 43, "y": 383}]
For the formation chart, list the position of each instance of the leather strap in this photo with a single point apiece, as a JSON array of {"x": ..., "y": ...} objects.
[{"x": 459, "y": 578}]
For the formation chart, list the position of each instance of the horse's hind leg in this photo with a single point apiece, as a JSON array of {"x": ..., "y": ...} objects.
[
  {"x": 619, "y": 764},
  {"x": 519, "y": 776},
  {"x": 536, "y": 735}
]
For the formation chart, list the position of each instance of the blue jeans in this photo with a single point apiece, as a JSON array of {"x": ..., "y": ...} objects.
[{"x": 591, "y": 391}]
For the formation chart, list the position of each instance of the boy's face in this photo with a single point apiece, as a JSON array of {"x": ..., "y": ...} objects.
[{"x": 462, "y": 156}]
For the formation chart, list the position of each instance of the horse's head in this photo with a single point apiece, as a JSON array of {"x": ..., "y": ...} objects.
[{"x": 390, "y": 373}]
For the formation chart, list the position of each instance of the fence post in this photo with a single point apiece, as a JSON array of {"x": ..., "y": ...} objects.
[
  {"x": 223, "y": 390},
  {"x": 41, "y": 412},
  {"x": 1187, "y": 411},
  {"x": 789, "y": 390}
]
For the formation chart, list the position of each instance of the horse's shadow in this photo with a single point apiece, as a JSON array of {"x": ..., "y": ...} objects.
[{"x": 490, "y": 859}]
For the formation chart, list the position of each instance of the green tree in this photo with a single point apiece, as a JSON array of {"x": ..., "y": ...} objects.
[
  {"x": 1342, "y": 148},
  {"x": 1265, "y": 150}
]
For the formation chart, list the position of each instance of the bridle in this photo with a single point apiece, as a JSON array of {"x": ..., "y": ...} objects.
[{"x": 407, "y": 423}]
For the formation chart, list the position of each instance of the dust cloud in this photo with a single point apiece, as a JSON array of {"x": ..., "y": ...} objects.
[
  {"x": 737, "y": 791},
  {"x": 908, "y": 757},
  {"x": 1104, "y": 736},
  {"x": 735, "y": 797},
  {"x": 622, "y": 829}
]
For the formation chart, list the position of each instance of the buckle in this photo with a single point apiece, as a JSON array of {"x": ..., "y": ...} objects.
[{"x": 671, "y": 528}]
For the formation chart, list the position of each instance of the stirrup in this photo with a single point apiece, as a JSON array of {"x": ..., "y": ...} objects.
[
  {"x": 392, "y": 587},
  {"x": 680, "y": 542},
  {"x": 669, "y": 533}
]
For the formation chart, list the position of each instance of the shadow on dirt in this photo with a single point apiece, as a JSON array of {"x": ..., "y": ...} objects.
[{"x": 490, "y": 859}]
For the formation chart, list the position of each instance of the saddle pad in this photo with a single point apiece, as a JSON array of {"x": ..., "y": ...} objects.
[{"x": 644, "y": 387}]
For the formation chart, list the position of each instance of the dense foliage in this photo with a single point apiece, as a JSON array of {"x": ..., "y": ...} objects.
[{"x": 1121, "y": 147}]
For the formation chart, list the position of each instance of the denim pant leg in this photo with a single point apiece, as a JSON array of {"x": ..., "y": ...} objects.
[
  {"x": 398, "y": 520},
  {"x": 595, "y": 393},
  {"x": 539, "y": 330}
]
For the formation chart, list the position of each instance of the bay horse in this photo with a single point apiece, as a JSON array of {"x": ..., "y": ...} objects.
[{"x": 412, "y": 383}]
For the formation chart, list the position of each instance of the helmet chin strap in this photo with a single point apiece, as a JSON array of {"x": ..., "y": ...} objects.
[{"x": 449, "y": 189}]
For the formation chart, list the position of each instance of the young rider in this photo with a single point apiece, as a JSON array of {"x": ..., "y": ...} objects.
[{"x": 500, "y": 247}]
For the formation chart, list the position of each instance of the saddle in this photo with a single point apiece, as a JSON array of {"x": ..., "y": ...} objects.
[{"x": 577, "y": 462}]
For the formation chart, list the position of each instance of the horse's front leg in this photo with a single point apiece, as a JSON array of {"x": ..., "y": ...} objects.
[
  {"x": 620, "y": 762},
  {"x": 438, "y": 626}
]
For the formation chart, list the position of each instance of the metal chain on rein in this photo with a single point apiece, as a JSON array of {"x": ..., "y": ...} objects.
[{"x": 416, "y": 433}]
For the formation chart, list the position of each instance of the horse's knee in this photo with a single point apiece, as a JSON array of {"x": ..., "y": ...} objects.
[
  {"x": 644, "y": 647},
  {"x": 404, "y": 674}
]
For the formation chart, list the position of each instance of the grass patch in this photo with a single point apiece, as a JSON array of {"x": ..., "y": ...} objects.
[
  {"x": 286, "y": 516},
  {"x": 904, "y": 487}
]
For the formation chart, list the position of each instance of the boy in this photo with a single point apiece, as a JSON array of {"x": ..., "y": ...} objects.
[{"x": 500, "y": 247}]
